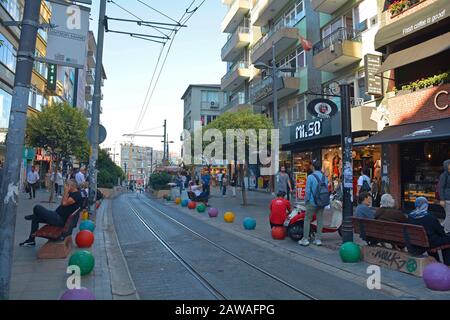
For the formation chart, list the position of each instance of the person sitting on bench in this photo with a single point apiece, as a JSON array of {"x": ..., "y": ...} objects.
[
  {"x": 199, "y": 195},
  {"x": 387, "y": 211},
  {"x": 70, "y": 202},
  {"x": 435, "y": 231}
]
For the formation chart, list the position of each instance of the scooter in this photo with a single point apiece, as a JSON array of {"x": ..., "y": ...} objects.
[{"x": 295, "y": 220}]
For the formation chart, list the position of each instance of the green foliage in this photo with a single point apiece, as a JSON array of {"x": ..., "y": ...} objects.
[
  {"x": 60, "y": 129},
  {"x": 108, "y": 171},
  {"x": 428, "y": 82},
  {"x": 159, "y": 180}
]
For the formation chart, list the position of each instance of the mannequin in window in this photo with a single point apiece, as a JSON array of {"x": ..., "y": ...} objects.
[
  {"x": 326, "y": 167},
  {"x": 336, "y": 166}
]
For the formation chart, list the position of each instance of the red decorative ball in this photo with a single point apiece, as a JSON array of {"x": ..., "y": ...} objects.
[
  {"x": 84, "y": 239},
  {"x": 278, "y": 233},
  {"x": 192, "y": 205}
]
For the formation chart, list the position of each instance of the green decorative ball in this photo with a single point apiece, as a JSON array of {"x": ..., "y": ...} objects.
[
  {"x": 350, "y": 252},
  {"x": 83, "y": 259},
  {"x": 168, "y": 198},
  {"x": 201, "y": 208}
]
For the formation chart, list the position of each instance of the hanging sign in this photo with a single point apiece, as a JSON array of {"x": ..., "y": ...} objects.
[
  {"x": 67, "y": 42},
  {"x": 322, "y": 108}
]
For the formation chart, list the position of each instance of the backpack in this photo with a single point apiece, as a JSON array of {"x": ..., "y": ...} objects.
[
  {"x": 322, "y": 195},
  {"x": 365, "y": 186}
]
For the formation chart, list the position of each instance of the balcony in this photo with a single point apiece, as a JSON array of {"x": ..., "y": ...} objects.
[
  {"x": 236, "y": 44},
  {"x": 88, "y": 92},
  {"x": 238, "y": 103},
  {"x": 237, "y": 75},
  {"x": 338, "y": 50},
  {"x": 265, "y": 10},
  {"x": 90, "y": 77},
  {"x": 282, "y": 35},
  {"x": 327, "y": 6},
  {"x": 287, "y": 84},
  {"x": 388, "y": 17},
  {"x": 236, "y": 13},
  {"x": 90, "y": 59}
]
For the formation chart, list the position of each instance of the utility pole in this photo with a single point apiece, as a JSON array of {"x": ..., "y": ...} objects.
[
  {"x": 275, "y": 113},
  {"x": 96, "y": 108},
  {"x": 75, "y": 88},
  {"x": 15, "y": 141},
  {"x": 165, "y": 140},
  {"x": 346, "y": 141}
]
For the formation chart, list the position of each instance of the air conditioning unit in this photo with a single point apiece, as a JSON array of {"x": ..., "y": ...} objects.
[
  {"x": 332, "y": 48},
  {"x": 213, "y": 104}
]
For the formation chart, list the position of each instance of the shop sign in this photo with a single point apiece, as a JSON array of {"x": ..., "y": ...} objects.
[
  {"x": 374, "y": 83},
  {"x": 322, "y": 108},
  {"x": 300, "y": 185},
  {"x": 436, "y": 104}
]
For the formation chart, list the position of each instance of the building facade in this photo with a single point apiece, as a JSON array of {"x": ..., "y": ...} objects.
[
  {"x": 415, "y": 42},
  {"x": 202, "y": 103},
  {"x": 137, "y": 163}
]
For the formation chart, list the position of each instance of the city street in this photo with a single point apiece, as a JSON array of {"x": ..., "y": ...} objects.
[{"x": 172, "y": 255}]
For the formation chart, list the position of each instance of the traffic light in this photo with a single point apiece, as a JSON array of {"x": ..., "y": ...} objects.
[{"x": 51, "y": 77}]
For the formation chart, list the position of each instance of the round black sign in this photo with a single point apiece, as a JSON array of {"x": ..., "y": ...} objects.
[{"x": 322, "y": 108}]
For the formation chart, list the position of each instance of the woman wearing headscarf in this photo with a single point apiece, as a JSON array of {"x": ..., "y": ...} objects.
[
  {"x": 387, "y": 211},
  {"x": 435, "y": 231}
]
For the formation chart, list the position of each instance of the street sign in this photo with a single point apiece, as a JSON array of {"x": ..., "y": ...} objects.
[
  {"x": 374, "y": 83},
  {"x": 67, "y": 42},
  {"x": 101, "y": 134},
  {"x": 322, "y": 108}
]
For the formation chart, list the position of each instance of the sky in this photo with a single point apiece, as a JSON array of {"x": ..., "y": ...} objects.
[{"x": 129, "y": 63}]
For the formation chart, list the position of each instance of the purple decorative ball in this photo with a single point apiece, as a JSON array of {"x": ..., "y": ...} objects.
[
  {"x": 437, "y": 277},
  {"x": 213, "y": 212},
  {"x": 78, "y": 294}
]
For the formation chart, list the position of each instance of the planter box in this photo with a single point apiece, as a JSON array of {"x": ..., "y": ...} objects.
[{"x": 159, "y": 194}]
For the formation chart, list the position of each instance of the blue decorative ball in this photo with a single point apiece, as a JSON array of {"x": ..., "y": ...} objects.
[
  {"x": 185, "y": 202},
  {"x": 87, "y": 225},
  {"x": 249, "y": 224}
]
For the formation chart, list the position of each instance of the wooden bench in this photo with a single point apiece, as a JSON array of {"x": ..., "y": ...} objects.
[
  {"x": 400, "y": 236},
  {"x": 59, "y": 242}
]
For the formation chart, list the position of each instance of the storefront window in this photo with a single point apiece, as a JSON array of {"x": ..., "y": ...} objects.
[{"x": 302, "y": 162}]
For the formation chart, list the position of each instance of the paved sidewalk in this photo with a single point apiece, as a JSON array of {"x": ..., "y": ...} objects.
[
  {"x": 34, "y": 279},
  {"x": 401, "y": 285}
]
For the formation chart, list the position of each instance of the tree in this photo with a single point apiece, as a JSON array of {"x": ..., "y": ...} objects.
[
  {"x": 61, "y": 130},
  {"x": 108, "y": 171},
  {"x": 241, "y": 120}
]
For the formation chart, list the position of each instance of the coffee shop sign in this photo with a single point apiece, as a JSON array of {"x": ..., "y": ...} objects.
[{"x": 422, "y": 23}]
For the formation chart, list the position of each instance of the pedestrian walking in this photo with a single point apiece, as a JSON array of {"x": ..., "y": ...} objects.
[
  {"x": 206, "y": 182},
  {"x": 364, "y": 182},
  {"x": 444, "y": 194},
  {"x": 233, "y": 183},
  {"x": 219, "y": 177},
  {"x": 59, "y": 183},
  {"x": 32, "y": 180},
  {"x": 224, "y": 185},
  {"x": 316, "y": 199},
  {"x": 80, "y": 177},
  {"x": 284, "y": 182}
]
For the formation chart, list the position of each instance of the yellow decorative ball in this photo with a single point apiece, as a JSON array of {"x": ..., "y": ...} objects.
[
  {"x": 177, "y": 200},
  {"x": 85, "y": 215},
  {"x": 228, "y": 217}
]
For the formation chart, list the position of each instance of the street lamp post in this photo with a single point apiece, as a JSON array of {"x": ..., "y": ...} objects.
[{"x": 275, "y": 70}]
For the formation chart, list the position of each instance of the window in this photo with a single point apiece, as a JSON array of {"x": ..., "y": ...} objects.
[
  {"x": 7, "y": 53},
  {"x": 296, "y": 59},
  {"x": 40, "y": 67},
  {"x": 14, "y": 8},
  {"x": 210, "y": 96},
  {"x": 5, "y": 108},
  {"x": 294, "y": 14}
]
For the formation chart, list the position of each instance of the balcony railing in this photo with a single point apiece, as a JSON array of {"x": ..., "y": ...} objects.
[
  {"x": 281, "y": 24},
  {"x": 236, "y": 66},
  {"x": 339, "y": 35},
  {"x": 266, "y": 84},
  {"x": 230, "y": 41}
]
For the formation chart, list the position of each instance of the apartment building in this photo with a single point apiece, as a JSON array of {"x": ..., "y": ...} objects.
[
  {"x": 414, "y": 39},
  {"x": 136, "y": 162},
  {"x": 86, "y": 79},
  {"x": 203, "y": 103}
]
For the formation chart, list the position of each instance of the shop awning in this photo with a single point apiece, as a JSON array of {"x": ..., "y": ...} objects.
[
  {"x": 430, "y": 130},
  {"x": 433, "y": 13},
  {"x": 415, "y": 53}
]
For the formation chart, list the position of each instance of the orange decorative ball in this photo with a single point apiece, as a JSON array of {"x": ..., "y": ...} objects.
[
  {"x": 228, "y": 217},
  {"x": 278, "y": 233},
  {"x": 192, "y": 205},
  {"x": 177, "y": 200},
  {"x": 84, "y": 239}
]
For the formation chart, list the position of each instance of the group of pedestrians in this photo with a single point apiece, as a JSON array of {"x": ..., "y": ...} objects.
[{"x": 316, "y": 200}]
